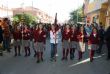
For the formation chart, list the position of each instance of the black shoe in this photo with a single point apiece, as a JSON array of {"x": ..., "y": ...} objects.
[
  {"x": 25, "y": 55},
  {"x": 91, "y": 60},
  {"x": 8, "y": 51},
  {"x": 98, "y": 52},
  {"x": 42, "y": 59},
  {"x": 63, "y": 58},
  {"x": 55, "y": 59},
  {"x": 19, "y": 54},
  {"x": 71, "y": 58},
  {"x": 108, "y": 59},
  {"x": 4, "y": 49},
  {"x": 51, "y": 59},
  {"x": 35, "y": 55},
  {"x": 15, "y": 55},
  {"x": 1, "y": 54},
  {"x": 66, "y": 58},
  {"x": 29, "y": 54},
  {"x": 79, "y": 59},
  {"x": 38, "y": 61}
]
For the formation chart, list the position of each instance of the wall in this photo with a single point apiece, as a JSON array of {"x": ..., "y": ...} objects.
[
  {"x": 108, "y": 17},
  {"x": 4, "y": 12},
  {"x": 96, "y": 5}
]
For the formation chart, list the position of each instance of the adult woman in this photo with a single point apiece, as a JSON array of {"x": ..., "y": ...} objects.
[
  {"x": 1, "y": 40},
  {"x": 6, "y": 35}
]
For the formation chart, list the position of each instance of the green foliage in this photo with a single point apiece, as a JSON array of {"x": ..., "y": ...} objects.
[
  {"x": 27, "y": 18},
  {"x": 73, "y": 15}
]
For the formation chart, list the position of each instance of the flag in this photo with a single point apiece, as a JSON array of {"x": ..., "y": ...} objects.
[{"x": 55, "y": 21}]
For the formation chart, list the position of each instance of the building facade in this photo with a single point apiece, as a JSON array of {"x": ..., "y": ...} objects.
[
  {"x": 42, "y": 16},
  {"x": 5, "y": 12},
  {"x": 97, "y": 11},
  {"x": 108, "y": 14}
]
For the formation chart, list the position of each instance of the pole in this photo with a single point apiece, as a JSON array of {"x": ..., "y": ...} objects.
[
  {"x": 22, "y": 23},
  {"x": 77, "y": 16},
  {"x": 77, "y": 10},
  {"x": 2, "y": 11},
  {"x": 7, "y": 8},
  {"x": 32, "y": 6}
]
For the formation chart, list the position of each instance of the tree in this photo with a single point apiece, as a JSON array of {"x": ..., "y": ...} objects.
[
  {"x": 28, "y": 18},
  {"x": 73, "y": 15}
]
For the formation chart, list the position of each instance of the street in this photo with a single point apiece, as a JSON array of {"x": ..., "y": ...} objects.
[{"x": 27, "y": 65}]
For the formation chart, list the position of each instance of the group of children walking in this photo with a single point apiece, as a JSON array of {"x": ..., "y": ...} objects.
[
  {"x": 72, "y": 40},
  {"x": 25, "y": 35}
]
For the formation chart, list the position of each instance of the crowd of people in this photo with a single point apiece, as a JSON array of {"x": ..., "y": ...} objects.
[{"x": 74, "y": 38}]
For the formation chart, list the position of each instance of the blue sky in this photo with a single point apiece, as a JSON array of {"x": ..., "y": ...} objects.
[{"x": 62, "y": 7}]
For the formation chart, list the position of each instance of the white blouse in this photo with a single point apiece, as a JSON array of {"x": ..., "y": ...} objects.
[{"x": 54, "y": 37}]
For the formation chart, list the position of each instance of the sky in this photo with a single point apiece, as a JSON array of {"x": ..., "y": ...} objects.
[{"x": 61, "y": 7}]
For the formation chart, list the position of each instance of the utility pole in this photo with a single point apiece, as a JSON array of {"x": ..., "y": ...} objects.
[
  {"x": 77, "y": 16},
  {"x": 32, "y": 6},
  {"x": 7, "y": 8},
  {"x": 77, "y": 11}
]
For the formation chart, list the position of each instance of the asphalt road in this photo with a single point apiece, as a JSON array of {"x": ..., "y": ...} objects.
[{"x": 27, "y": 65}]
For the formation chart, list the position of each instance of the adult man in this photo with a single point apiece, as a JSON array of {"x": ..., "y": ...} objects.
[
  {"x": 101, "y": 38},
  {"x": 1, "y": 40},
  {"x": 88, "y": 31},
  {"x": 107, "y": 37},
  {"x": 6, "y": 35}
]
